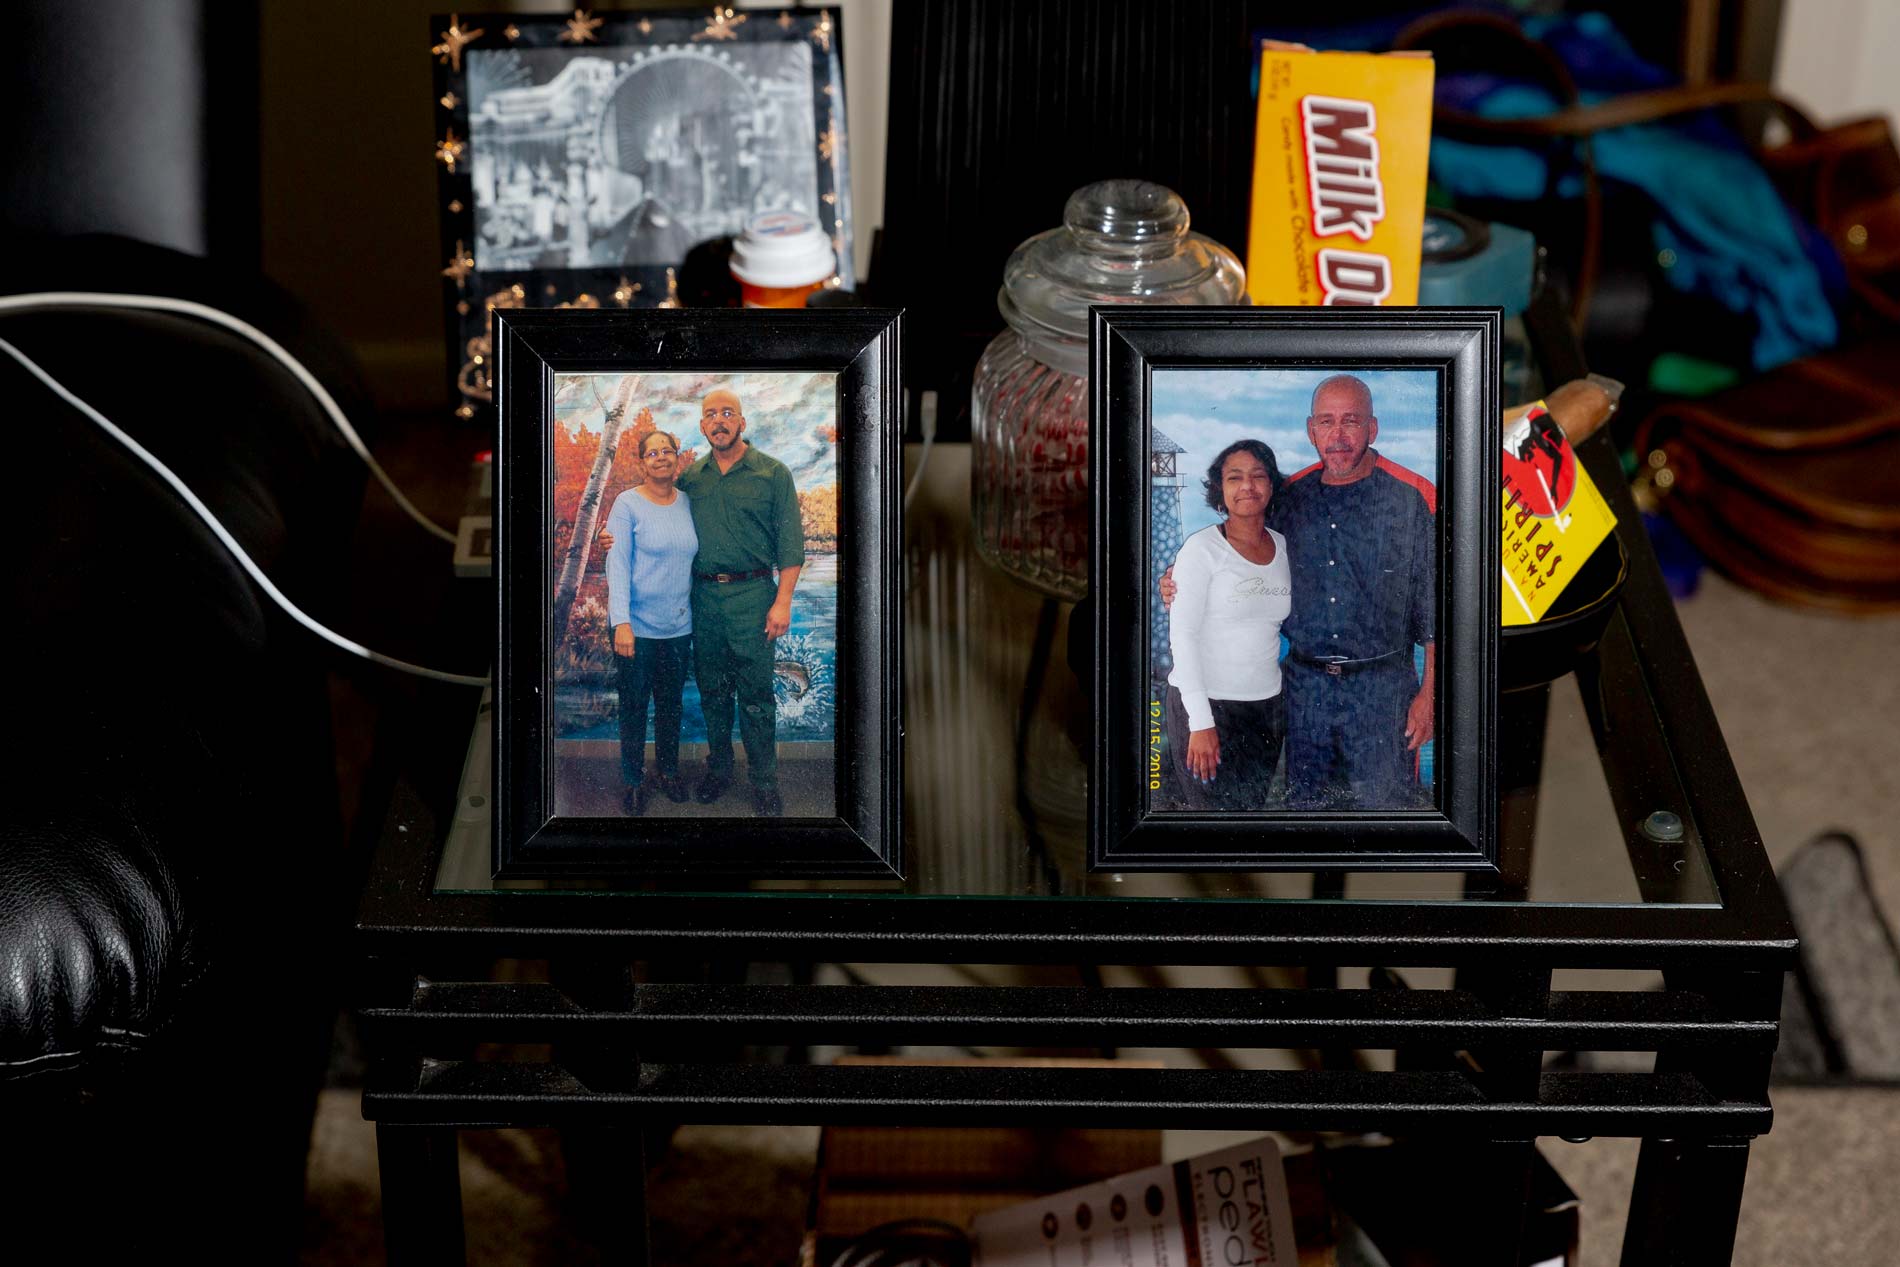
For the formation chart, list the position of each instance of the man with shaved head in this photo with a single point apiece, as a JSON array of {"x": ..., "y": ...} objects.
[
  {"x": 751, "y": 549},
  {"x": 1361, "y": 538}
]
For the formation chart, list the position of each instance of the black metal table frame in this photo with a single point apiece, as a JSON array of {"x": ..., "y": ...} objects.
[{"x": 632, "y": 1055}]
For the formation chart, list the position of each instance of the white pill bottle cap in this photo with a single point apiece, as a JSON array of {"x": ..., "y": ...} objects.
[{"x": 781, "y": 249}]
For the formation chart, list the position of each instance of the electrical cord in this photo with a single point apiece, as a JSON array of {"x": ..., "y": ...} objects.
[
  {"x": 218, "y": 317},
  {"x": 57, "y": 299},
  {"x": 927, "y": 424}
]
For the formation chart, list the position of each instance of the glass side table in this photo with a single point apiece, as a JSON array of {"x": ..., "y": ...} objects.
[{"x": 1628, "y": 845}]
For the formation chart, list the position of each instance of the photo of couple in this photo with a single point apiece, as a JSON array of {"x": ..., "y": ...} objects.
[
  {"x": 1293, "y": 590},
  {"x": 695, "y": 591}
]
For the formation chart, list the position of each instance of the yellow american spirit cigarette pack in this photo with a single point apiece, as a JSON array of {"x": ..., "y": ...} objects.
[
  {"x": 1339, "y": 177},
  {"x": 1554, "y": 517}
]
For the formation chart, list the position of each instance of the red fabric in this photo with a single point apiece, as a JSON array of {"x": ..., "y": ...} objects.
[
  {"x": 1397, "y": 472},
  {"x": 1423, "y": 485}
]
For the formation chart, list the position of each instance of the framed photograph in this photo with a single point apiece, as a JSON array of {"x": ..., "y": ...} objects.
[
  {"x": 1295, "y": 553},
  {"x": 596, "y": 160},
  {"x": 698, "y": 543}
]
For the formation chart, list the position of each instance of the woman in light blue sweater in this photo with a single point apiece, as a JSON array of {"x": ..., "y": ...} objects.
[{"x": 649, "y": 609}]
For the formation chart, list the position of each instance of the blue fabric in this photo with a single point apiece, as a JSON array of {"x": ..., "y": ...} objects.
[
  {"x": 1731, "y": 237},
  {"x": 1597, "y": 56},
  {"x": 1345, "y": 739},
  {"x": 1363, "y": 558},
  {"x": 650, "y": 567}
]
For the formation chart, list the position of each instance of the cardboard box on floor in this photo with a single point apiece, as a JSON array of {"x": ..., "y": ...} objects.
[
  {"x": 1397, "y": 1192},
  {"x": 872, "y": 1175}
]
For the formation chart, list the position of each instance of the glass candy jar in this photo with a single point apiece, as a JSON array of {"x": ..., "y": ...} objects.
[{"x": 1121, "y": 242}]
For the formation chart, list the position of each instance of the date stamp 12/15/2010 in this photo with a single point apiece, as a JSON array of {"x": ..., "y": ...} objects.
[{"x": 1154, "y": 745}]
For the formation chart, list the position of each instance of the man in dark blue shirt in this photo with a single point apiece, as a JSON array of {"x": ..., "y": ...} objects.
[{"x": 1362, "y": 543}]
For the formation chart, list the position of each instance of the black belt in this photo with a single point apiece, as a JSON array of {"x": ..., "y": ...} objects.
[
  {"x": 1339, "y": 666},
  {"x": 727, "y": 578}
]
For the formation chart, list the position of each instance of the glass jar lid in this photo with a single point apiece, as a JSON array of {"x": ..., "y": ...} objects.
[{"x": 1121, "y": 242}]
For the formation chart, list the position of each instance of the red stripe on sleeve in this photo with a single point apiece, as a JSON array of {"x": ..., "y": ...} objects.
[
  {"x": 1423, "y": 485},
  {"x": 1302, "y": 474}
]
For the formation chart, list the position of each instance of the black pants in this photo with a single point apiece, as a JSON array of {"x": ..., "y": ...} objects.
[
  {"x": 732, "y": 659},
  {"x": 656, "y": 670},
  {"x": 1250, "y": 731}
]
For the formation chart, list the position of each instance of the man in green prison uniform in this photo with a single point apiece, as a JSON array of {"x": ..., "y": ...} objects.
[{"x": 745, "y": 509}]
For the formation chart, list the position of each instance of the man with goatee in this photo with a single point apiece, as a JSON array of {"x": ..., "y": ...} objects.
[{"x": 745, "y": 510}]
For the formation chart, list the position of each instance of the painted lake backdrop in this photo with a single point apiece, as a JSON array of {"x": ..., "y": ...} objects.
[{"x": 791, "y": 417}]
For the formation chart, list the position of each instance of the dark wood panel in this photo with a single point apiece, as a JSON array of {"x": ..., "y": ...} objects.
[{"x": 1000, "y": 110}]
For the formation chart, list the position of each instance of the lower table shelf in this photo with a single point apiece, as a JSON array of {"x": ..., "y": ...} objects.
[{"x": 468, "y": 1094}]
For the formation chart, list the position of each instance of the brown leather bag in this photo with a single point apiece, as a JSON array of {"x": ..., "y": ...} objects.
[
  {"x": 1790, "y": 483},
  {"x": 1843, "y": 178}
]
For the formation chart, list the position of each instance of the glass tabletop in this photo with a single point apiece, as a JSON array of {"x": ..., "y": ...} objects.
[{"x": 1592, "y": 805}]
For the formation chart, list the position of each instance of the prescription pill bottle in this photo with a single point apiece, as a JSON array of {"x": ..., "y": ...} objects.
[{"x": 780, "y": 259}]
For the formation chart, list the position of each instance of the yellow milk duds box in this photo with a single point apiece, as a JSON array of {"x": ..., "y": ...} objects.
[
  {"x": 1340, "y": 149},
  {"x": 1554, "y": 517}
]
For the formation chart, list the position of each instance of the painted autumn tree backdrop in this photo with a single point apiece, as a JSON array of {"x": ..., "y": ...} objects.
[
  {"x": 599, "y": 423},
  {"x": 618, "y": 412}
]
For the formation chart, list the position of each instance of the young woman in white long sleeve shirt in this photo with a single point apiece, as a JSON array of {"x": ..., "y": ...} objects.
[{"x": 1226, "y": 718}]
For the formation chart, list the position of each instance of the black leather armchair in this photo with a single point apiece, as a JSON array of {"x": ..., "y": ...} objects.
[
  {"x": 173, "y": 878},
  {"x": 174, "y": 881}
]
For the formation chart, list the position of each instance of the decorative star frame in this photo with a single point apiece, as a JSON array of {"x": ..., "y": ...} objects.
[
  {"x": 454, "y": 40},
  {"x": 581, "y": 28},
  {"x": 474, "y": 285},
  {"x": 723, "y": 25},
  {"x": 448, "y": 150}
]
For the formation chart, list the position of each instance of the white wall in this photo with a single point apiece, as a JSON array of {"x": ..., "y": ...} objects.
[{"x": 1837, "y": 58}]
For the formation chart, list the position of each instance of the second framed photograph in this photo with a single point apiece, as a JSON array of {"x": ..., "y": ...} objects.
[
  {"x": 1296, "y": 610},
  {"x": 697, "y": 544}
]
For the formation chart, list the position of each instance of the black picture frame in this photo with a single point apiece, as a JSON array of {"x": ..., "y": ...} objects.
[
  {"x": 1459, "y": 831},
  {"x": 716, "y": 40},
  {"x": 863, "y": 837}
]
